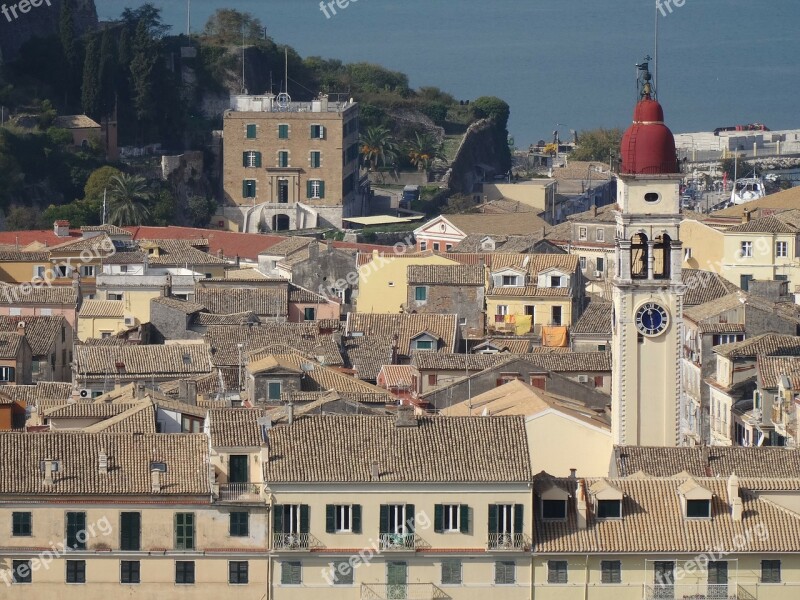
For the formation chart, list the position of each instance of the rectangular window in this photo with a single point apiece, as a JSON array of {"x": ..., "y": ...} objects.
[
  {"x": 423, "y": 246},
  {"x": 556, "y": 314},
  {"x": 600, "y": 235},
  {"x": 343, "y": 518},
  {"x": 316, "y": 188},
  {"x": 130, "y": 531},
  {"x": 609, "y": 509},
  {"x": 687, "y": 254},
  {"x": 309, "y": 314},
  {"x": 249, "y": 188},
  {"x": 238, "y": 572},
  {"x": 598, "y": 379},
  {"x": 554, "y": 509},
  {"x": 601, "y": 264},
  {"x": 21, "y": 524},
  {"x": 251, "y": 131},
  {"x": 698, "y": 509},
  {"x": 239, "y": 523},
  {"x": 317, "y": 132},
  {"x": 283, "y": 131},
  {"x": 316, "y": 160},
  {"x": 451, "y": 518},
  {"x": 184, "y": 572},
  {"x": 251, "y": 159},
  {"x": 21, "y": 571},
  {"x": 432, "y": 379},
  {"x": 451, "y": 571},
  {"x": 770, "y": 571},
  {"x": 76, "y": 530},
  {"x": 510, "y": 280},
  {"x": 184, "y": 531},
  {"x": 611, "y": 571},
  {"x": 505, "y": 572},
  {"x": 555, "y": 281},
  {"x": 291, "y": 573},
  {"x": 435, "y": 246},
  {"x": 424, "y": 345},
  {"x": 421, "y": 294},
  {"x": 76, "y": 571},
  {"x": 114, "y": 296},
  {"x": 129, "y": 571},
  {"x": 342, "y": 573},
  {"x": 744, "y": 282},
  {"x": 582, "y": 261},
  {"x": 746, "y": 249},
  {"x": 283, "y": 159},
  {"x": 274, "y": 390},
  {"x": 583, "y": 233},
  {"x": 556, "y": 571},
  {"x": 781, "y": 249},
  {"x": 87, "y": 270}
]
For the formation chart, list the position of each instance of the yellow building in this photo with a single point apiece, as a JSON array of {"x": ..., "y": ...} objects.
[
  {"x": 537, "y": 193},
  {"x": 702, "y": 244},
  {"x": 20, "y": 266},
  {"x": 103, "y": 318},
  {"x": 383, "y": 279},
  {"x": 356, "y": 514}
]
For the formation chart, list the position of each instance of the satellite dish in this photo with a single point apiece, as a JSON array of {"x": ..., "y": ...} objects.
[{"x": 282, "y": 100}]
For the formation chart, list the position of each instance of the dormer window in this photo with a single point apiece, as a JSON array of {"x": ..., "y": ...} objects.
[
  {"x": 698, "y": 509},
  {"x": 555, "y": 281},
  {"x": 554, "y": 510},
  {"x": 609, "y": 509},
  {"x": 510, "y": 280}
]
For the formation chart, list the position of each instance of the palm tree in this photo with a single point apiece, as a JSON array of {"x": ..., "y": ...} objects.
[
  {"x": 378, "y": 145},
  {"x": 128, "y": 193},
  {"x": 423, "y": 149}
]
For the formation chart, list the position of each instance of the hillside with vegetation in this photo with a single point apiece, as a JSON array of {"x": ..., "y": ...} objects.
[{"x": 171, "y": 90}]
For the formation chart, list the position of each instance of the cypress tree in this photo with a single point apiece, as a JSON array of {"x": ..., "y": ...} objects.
[
  {"x": 108, "y": 66},
  {"x": 90, "y": 91}
]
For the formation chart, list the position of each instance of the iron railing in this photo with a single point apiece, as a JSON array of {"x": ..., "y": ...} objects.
[
  {"x": 397, "y": 541},
  {"x": 239, "y": 492},
  {"x": 508, "y": 541},
  {"x": 401, "y": 591},
  {"x": 293, "y": 541},
  {"x": 698, "y": 591}
]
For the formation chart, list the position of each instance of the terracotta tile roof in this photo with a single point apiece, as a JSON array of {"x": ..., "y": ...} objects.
[
  {"x": 53, "y": 390},
  {"x": 338, "y": 448},
  {"x": 102, "y": 308},
  {"x": 596, "y": 319},
  {"x": 446, "y": 274},
  {"x": 129, "y": 458},
  {"x": 128, "y": 257},
  {"x": 512, "y": 345},
  {"x": 709, "y": 461},
  {"x": 24, "y": 256},
  {"x": 289, "y": 246},
  {"x": 75, "y": 122},
  {"x": 559, "y": 362},
  {"x": 503, "y": 206},
  {"x": 138, "y": 418},
  {"x": 529, "y": 291},
  {"x": 786, "y": 222},
  {"x": 604, "y": 214},
  {"x": 269, "y": 301},
  {"x": 531, "y": 263},
  {"x": 41, "y": 331},
  {"x": 653, "y": 522},
  {"x": 20, "y": 295},
  {"x": 180, "y": 253},
  {"x": 366, "y": 354},
  {"x": 302, "y": 295},
  {"x": 245, "y": 275},
  {"x": 502, "y": 224},
  {"x": 292, "y": 337},
  {"x": 109, "y": 229},
  {"x": 86, "y": 410},
  {"x": 503, "y": 243},
  {"x": 178, "y": 360},
  {"x": 235, "y": 427},
  {"x": 400, "y": 376},
  {"x": 406, "y": 326},
  {"x": 41, "y": 237},
  {"x": 704, "y": 286},
  {"x": 9, "y": 345},
  {"x": 101, "y": 245},
  {"x": 784, "y": 200},
  {"x": 722, "y": 328},
  {"x": 768, "y": 343},
  {"x": 204, "y": 319},
  {"x": 771, "y": 368},
  {"x": 322, "y": 378},
  {"x": 182, "y": 305},
  {"x": 700, "y": 313}
]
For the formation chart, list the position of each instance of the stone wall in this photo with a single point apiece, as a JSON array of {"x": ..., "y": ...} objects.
[{"x": 478, "y": 147}]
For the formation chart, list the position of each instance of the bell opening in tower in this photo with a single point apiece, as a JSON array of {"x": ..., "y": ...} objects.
[
  {"x": 662, "y": 251},
  {"x": 639, "y": 251}
]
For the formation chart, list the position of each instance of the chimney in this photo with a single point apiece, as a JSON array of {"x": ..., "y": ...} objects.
[
  {"x": 183, "y": 390},
  {"x": 313, "y": 250},
  {"x": 191, "y": 392},
  {"x": 395, "y": 344},
  {"x": 573, "y": 474},
  {"x": 580, "y": 507},
  {"x": 745, "y": 216},
  {"x": 594, "y": 210},
  {"x": 139, "y": 390},
  {"x": 290, "y": 412},
  {"x": 155, "y": 481},
  {"x": 405, "y": 417},
  {"x": 21, "y": 328},
  {"x": 102, "y": 462},
  {"x": 61, "y": 228},
  {"x": 375, "y": 469},
  {"x": 49, "y": 467},
  {"x": 733, "y": 497}
]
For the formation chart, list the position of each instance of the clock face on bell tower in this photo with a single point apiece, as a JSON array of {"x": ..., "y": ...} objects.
[{"x": 652, "y": 319}]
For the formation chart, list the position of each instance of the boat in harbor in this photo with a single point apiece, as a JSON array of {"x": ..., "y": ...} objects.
[{"x": 748, "y": 189}]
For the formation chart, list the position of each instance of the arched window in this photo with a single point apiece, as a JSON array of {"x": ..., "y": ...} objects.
[
  {"x": 662, "y": 250},
  {"x": 639, "y": 256}
]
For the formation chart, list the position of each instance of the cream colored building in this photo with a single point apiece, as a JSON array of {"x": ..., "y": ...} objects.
[
  {"x": 536, "y": 193},
  {"x": 291, "y": 165},
  {"x": 103, "y": 318}
]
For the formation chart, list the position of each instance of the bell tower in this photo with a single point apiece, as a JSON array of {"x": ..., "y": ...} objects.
[{"x": 647, "y": 289}]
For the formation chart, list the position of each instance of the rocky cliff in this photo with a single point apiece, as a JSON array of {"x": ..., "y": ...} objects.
[
  {"x": 39, "y": 21},
  {"x": 483, "y": 145}
]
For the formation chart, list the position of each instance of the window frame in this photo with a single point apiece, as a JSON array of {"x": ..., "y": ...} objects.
[
  {"x": 705, "y": 515},
  {"x": 421, "y": 293},
  {"x": 22, "y": 525},
  {"x": 557, "y": 572},
  {"x": 605, "y": 503},
  {"x": 16, "y": 565},
  {"x": 337, "y": 575},
  {"x": 315, "y": 154},
  {"x": 454, "y": 563},
  {"x": 235, "y": 529},
  {"x": 610, "y": 571},
  {"x": 283, "y": 127},
  {"x": 271, "y": 383},
  {"x": 287, "y": 574},
  {"x": 746, "y": 249},
  {"x": 185, "y": 572},
  {"x": 283, "y": 159},
  {"x": 71, "y": 534},
  {"x": 562, "y": 515},
  {"x": 75, "y": 569},
  {"x": 509, "y": 566},
  {"x": 130, "y": 573},
  {"x": 583, "y": 233},
  {"x": 773, "y": 567},
  {"x": 248, "y": 128},
  {"x": 600, "y": 235},
  {"x": 184, "y": 541},
  {"x": 781, "y": 249},
  {"x": 238, "y": 572},
  {"x": 447, "y": 515},
  {"x": 122, "y": 526}
]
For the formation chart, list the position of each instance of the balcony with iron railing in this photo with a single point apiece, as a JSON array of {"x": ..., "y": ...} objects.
[
  {"x": 509, "y": 542},
  {"x": 697, "y": 591},
  {"x": 402, "y": 591},
  {"x": 401, "y": 542},
  {"x": 238, "y": 493},
  {"x": 295, "y": 542}
]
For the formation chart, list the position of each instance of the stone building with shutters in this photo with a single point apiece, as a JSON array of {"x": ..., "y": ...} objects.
[{"x": 291, "y": 165}]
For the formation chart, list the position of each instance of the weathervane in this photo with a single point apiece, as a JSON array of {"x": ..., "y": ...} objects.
[{"x": 644, "y": 85}]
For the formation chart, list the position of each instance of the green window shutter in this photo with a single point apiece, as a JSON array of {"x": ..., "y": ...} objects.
[
  {"x": 244, "y": 188},
  {"x": 304, "y": 518},
  {"x": 251, "y": 132},
  {"x": 492, "y": 518},
  {"x": 244, "y": 159},
  {"x": 322, "y": 132},
  {"x": 321, "y": 189},
  {"x": 309, "y": 191},
  {"x": 383, "y": 525},
  {"x": 464, "y": 518},
  {"x": 330, "y": 518},
  {"x": 356, "y": 518},
  {"x": 410, "y": 512},
  {"x": 438, "y": 511},
  {"x": 518, "y": 518},
  {"x": 283, "y": 132},
  {"x": 277, "y": 518},
  {"x": 258, "y": 159}
]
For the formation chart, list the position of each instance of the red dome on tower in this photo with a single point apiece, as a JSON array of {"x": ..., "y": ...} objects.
[{"x": 648, "y": 147}]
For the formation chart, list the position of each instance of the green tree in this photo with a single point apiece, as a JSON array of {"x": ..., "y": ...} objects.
[
  {"x": 143, "y": 75},
  {"x": 460, "y": 204},
  {"x": 490, "y": 107},
  {"x": 200, "y": 210},
  {"x": 598, "y": 144},
  {"x": 423, "y": 149},
  {"x": 228, "y": 26},
  {"x": 98, "y": 182},
  {"x": 739, "y": 168},
  {"x": 128, "y": 196},
  {"x": 21, "y": 218},
  {"x": 90, "y": 90},
  {"x": 107, "y": 74},
  {"x": 69, "y": 48},
  {"x": 378, "y": 146}
]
